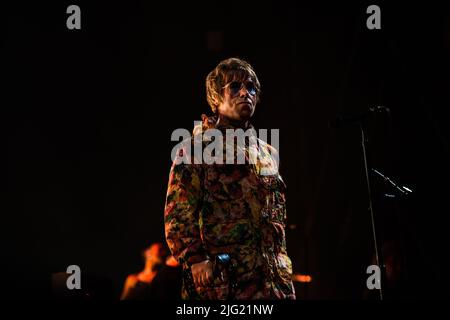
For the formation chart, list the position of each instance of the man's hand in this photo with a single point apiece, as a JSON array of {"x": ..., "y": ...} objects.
[{"x": 202, "y": 273}]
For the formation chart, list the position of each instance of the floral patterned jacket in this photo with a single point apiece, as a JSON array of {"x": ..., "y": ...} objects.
[{"x": 233, "y": 209}]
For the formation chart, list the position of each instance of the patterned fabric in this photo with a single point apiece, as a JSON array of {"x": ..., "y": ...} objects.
[{"x": 230, "y": 208}]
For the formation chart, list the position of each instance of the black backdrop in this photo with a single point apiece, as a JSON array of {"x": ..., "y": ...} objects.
[{"x": 86, "y": 119}]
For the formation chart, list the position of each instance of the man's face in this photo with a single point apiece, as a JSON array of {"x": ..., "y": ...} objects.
[{"x": 239, "y": 100}]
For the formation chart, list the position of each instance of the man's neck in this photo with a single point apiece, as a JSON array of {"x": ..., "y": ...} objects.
[{"x": 227, "y": 122}]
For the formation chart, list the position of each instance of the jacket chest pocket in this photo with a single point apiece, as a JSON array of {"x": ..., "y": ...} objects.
[
  {"x": 222, "y": 181},
  {"x": 274, "y": 208},
  {"x": 225, "y": 192}
]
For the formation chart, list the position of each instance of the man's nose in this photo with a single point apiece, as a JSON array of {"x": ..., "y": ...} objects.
[{"x": 243, "y": 92}]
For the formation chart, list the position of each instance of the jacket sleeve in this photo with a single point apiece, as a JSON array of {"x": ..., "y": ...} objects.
[{"x": 181, "y": 214}]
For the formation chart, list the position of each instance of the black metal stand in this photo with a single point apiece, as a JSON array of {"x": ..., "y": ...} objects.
[
  {"x": 376, "y": 240},
  {"x": 400, "y": 191}
]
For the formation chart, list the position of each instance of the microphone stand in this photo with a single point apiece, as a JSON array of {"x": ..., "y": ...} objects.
[
  {"x": 360, "y": 119},
  {"x": 377, "y": 244}
]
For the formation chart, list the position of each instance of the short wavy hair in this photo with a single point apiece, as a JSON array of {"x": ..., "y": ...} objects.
[{"x": 232, "y": 69}]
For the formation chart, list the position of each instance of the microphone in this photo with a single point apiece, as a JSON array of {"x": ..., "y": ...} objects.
[
  {"x": 402, "y": 190},
  {"x": 342, "y": 120}
]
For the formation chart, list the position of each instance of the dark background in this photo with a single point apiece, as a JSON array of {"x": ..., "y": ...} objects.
[{"x": 86, "y": 118}]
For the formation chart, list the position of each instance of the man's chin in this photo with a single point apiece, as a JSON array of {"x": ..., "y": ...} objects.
[
  {"x": 245, "y": 112},
  {"x": 245, "y": 116}
]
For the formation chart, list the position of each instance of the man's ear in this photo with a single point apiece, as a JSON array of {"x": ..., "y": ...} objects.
[{"x": 216, "y": 101}]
